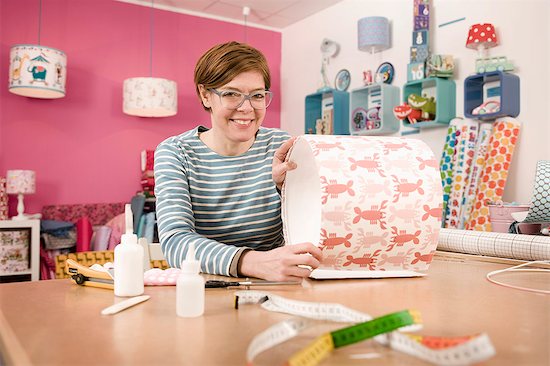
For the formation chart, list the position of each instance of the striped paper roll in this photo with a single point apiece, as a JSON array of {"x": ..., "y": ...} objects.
[
  {"x": 475, "y": 172},
  {"x": 493, "y": 178},
  {"x": 370, "y": 203},
  {"x": 465, "y": 148}
]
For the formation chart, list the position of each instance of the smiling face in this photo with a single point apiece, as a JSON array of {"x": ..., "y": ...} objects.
[{"x": 233, "y": 131}]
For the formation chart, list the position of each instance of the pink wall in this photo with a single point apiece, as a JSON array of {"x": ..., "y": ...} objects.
[{"x": 82, "y": 147}]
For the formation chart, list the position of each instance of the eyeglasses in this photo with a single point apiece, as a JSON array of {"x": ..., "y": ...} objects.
[{"x": 233, "y": 99}]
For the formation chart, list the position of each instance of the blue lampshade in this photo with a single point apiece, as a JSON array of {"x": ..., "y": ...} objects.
[{"x": 373, "y": 34}]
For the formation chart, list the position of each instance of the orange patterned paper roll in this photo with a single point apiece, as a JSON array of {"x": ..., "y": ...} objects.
[{"x": 493, "y": 178}]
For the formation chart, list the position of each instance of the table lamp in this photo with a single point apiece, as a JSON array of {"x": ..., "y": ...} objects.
[
  {"x": 21, "y": 182},
  {"x": 481, "y": 37}
]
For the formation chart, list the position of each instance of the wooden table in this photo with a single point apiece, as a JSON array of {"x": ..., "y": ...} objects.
[{"x": 57, "y": 322}]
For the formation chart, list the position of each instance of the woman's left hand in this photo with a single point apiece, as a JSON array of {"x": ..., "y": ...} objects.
[{"x": 280, "y": 166}]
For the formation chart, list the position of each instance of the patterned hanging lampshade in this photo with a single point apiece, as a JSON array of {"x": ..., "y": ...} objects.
[
  {"x": 150, "y": 97},
  {"x": 37, "y": 71},
  {"x": 373, "y": 34}
]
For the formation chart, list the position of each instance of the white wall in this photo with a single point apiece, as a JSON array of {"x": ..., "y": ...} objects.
[{"x": 524, "y": 31}]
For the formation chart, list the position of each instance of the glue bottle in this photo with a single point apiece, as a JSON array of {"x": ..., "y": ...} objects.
[
  {"x": 128, "y": 261},
  {"x": 190, "y": 287}
]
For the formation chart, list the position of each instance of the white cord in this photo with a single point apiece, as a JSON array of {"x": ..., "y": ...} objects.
[{"x": 517, "y": 269}]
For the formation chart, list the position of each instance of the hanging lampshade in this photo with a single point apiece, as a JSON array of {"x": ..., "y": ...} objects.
[
  {"x": 373, "y": 34},
  {"x": 149, "y": 96},
  {"x": 37, "y": 71}
]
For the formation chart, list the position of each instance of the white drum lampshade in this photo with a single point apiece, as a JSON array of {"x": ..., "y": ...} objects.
[
  {"x": 20, "y": 182},
  {"x": 150, "y": 97},
  {"x": 373, "y": 34},
  {"x": 37, "y": 71}
]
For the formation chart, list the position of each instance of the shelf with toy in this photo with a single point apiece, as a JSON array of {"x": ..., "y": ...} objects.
[
  {"x": 327, "y": 112},
  {"x": 372, "y": 109},
  {"x": 429, "y": 102},
  {"x": 491, "y": 95}
]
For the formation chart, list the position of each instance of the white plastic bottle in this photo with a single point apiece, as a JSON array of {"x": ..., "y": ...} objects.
[
  {"x": 128, "y": 261},
  {"x": 190, "y": 287}
]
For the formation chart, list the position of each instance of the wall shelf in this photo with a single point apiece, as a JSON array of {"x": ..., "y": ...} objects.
[
  {"x": 375, "y": 100},
  {"x": 498, "y": 86},
  {"x": 340, "y": 111},
  {"x": 444, "y": 92}
]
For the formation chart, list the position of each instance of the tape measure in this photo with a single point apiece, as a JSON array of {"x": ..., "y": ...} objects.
[{"x": 385, "y": 330}]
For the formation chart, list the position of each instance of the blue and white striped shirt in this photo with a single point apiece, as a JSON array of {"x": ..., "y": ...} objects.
[{"x": 223, "y": 204}]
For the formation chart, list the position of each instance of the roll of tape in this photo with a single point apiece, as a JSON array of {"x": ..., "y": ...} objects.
[{"x": 370, "y": 203}]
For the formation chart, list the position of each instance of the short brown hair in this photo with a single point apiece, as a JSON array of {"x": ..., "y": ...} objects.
[{"x": 223, "y": 62}]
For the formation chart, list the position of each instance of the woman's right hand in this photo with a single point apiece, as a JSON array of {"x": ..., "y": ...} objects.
[{"x": 285, "y": 263}]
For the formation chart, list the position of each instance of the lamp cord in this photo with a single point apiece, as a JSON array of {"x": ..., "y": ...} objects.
[
  {"x": 39, "y": 20},
  {"x": 151, "y": 40},
  {"x": 245, "y": 29}
]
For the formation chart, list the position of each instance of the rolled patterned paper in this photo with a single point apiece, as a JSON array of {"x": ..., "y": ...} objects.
[
  {"x": 446, "y": 164},
  {"x": 475, "y": 172},
  {"x": 370, "y": 203},
  {"x": 502, "y": 144},
  {"x": 540, "y": 203},
  {"x": 461, "y": 169}
]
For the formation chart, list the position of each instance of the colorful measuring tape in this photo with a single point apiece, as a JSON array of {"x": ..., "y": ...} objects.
[{"x": 438, "y": 350}]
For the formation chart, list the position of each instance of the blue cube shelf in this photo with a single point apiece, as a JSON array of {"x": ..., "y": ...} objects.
[
  {"x": 498, "y": 86},
  {"x": 379, "y": 99},
  {"x": 340, "y": 106},
  {"x": 444, "y": 92}
]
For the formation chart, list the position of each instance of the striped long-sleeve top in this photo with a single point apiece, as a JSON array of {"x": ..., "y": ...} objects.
[{"x": 223, "y": 204}]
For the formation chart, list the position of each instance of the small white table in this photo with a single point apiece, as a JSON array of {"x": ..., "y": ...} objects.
[{"x": 19, "y": 248}]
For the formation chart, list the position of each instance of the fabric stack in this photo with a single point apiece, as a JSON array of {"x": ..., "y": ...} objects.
[
  {"x": 147, "y": 173},
  {"x": 3, "y": 199},
  {"x": 144, "y": 203}
]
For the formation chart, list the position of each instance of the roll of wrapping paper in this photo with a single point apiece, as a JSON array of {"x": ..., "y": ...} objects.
[
  {"x": 446, "y": 164},
  {"x": 503, "y": 245},
  {"x": 502, "y": 144},
  {"x": 370, "y": 203},
  {"x": 438, "y": 350},
  {"x": 540, "y": 203},
  {"x": 475, "y": 172},
  {"x": 465, "y": 150}
]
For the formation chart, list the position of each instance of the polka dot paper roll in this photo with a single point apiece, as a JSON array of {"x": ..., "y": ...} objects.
[
  {"x": 370, "y": 203},
  {"x": 446, "y": 164},
  {"x": 493, "y": 178}
]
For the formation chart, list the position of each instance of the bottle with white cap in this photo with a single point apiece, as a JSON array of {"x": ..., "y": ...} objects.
[
  {"x": 128, "y": 261},
  {"x": 190, "y": 287}
]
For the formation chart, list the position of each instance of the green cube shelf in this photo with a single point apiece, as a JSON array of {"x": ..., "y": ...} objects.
[{"x": 444, "y": 91}]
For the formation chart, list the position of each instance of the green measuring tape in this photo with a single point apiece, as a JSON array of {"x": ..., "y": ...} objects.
[{"x": 323, "y": 345}]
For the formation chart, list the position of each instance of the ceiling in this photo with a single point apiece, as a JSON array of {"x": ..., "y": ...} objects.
[{"x": 275, "y": 14}]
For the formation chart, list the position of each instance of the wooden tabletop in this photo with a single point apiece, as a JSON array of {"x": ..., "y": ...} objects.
[{"x": 57, "y": 322}]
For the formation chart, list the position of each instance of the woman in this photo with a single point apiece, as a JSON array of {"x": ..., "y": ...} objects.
[{"x": 218, "y": 187}]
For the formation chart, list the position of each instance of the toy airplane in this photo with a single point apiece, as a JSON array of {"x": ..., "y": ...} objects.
[{"x": 85, "y": 276}]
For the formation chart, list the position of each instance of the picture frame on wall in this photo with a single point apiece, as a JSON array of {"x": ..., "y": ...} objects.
[{"x": 19, "y": 250}]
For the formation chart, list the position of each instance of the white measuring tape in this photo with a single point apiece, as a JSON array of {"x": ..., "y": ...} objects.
[{"x": 437, "y": 350}]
